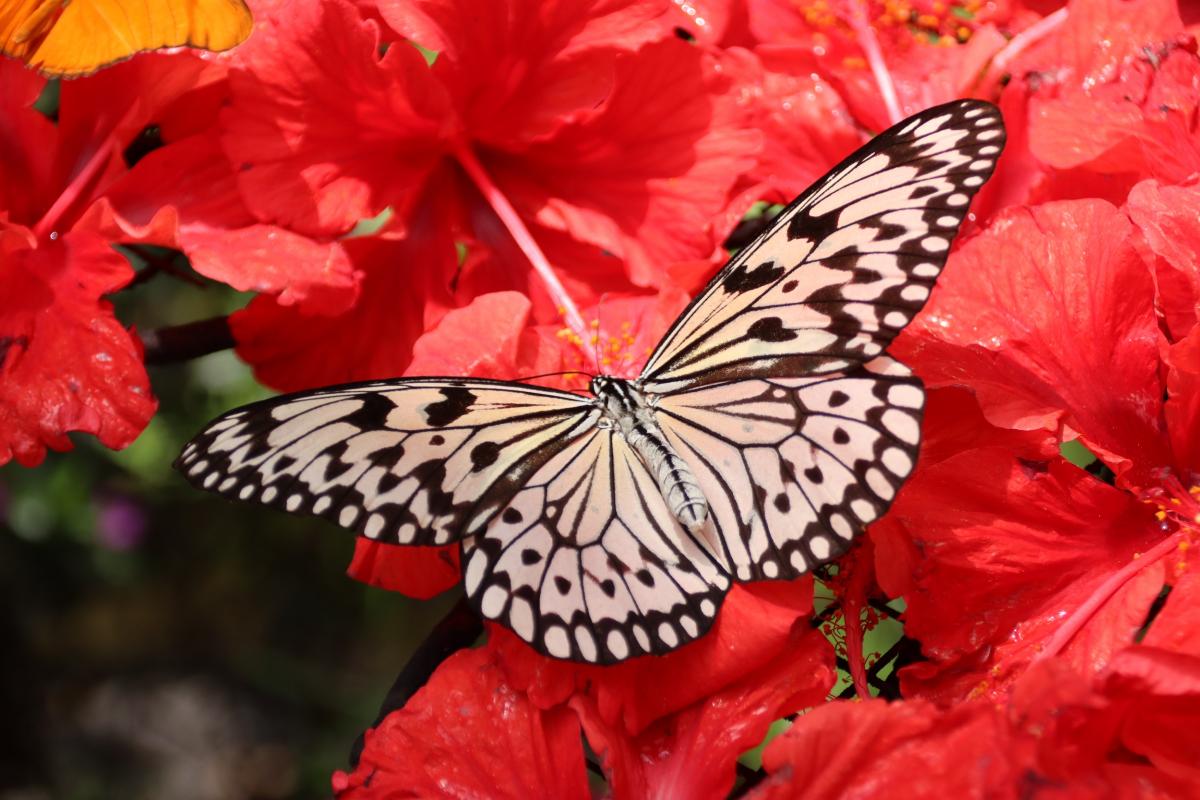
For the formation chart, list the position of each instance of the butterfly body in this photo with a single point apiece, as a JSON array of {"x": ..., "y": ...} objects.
[
  {"x": 631, "y": 412},
  {"x": 768, "y": 428}
]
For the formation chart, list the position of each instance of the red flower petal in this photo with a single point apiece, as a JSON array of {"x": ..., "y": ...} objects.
[
  {"x": 184, "y": 196},
  {"x": 1182, "y": 409},
  {"x": 420, "y": 572},
  {"x": 806, "y": 124},
  {"x": 1099, "y": 35},
  {"x": 1169, "y": 218},
  {"x": 456, "y": 346},
  {"x": 867, "y": 749},
  {"x": 923, "y": 73},
  {"x": 180, "y": 94},
  {"x": 561, "y": 29},
  {"x": 1138, "y": 123},
  {"x": 1177, "y": 626},
  {"x": 752, "y": 629},
  {"x": 644, "y": 176},
  {"x": 468, "y": 734},
  {"x": 1113, "y": 93},
  {"x": 494, "y": 263},
  {"x": 555, "y": 59},
  {"x": 1163, "y": 693},
  {"x": 693, "y": 752},
  {"x": 403, "y": 291},
  {"x": 26, "y": 160},
  {"x": 1058, "y": 735},
  {"x": 323, "y": 131},
  {"x": 713, "y": 22},
  {"x": 66, "y": 364},
  {"x": 1009, "y": 550},
  {"x": 1073, "y": 302},
  {"x": 953, "y": 424}
]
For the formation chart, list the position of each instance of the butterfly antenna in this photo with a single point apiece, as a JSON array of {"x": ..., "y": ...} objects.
[
  {"x": 599, "y": 333},
  {"x": 527, "y": 378}
]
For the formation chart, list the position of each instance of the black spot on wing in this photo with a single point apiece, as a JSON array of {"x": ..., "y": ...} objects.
[
  {"x": 456, "y": 402},
  {"x": 770, "y": 329},
  {"x": 483, "y": 455},
  {"x": 745, "y": 280}
]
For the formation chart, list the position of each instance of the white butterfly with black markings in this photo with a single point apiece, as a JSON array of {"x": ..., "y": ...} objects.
[{"x": 766, "y": 431}]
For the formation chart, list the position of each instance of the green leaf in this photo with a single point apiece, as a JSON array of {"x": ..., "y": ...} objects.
[{"x": 1075, "y": 452}]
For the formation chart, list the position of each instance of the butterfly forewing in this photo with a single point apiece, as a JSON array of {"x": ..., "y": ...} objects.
[
  {"x": 587, "y": 562},
  {"x": 795, "y": 468},
  {"x": 845, "y": 266},
  {"x": 409, "y": 462}
]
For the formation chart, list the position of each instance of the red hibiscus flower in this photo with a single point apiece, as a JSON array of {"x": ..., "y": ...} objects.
[
  {"x": 888, "y": 60},
  {"x": 1065, "y": 345},
  {"x": 1059, "y": 734},
  {"x": 66, "y": 363},
  {"x": 467, "y": 733},
  {"x": 693, "y": 752},
  {"x": 69, "y": 192},
  {"x": 471, "y": 731},
  {"x": 547, "y": 117},
  {"x": 1107, "y": 99}
]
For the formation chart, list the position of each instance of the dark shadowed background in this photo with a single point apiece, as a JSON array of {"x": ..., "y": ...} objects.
[{"x": 160, "y": 642}]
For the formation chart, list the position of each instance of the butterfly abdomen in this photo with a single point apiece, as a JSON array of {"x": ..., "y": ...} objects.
[{"x": 626, "y": 407}]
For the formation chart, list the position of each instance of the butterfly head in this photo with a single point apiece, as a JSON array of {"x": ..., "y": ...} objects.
[{"x": 601, "y": 385}]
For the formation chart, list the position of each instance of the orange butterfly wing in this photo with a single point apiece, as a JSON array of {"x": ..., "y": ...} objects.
[{"x": 80, "y": 36}]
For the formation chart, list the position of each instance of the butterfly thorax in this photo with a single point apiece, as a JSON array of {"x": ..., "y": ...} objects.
[{"x": 628, "y": 410}]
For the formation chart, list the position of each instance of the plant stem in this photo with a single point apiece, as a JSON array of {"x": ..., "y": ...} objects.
[{"x": 183, "y": 342}]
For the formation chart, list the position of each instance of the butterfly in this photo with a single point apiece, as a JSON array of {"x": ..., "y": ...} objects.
[
  {"x": 61, "y": 38},
  {"x": 766, "y": 430}
]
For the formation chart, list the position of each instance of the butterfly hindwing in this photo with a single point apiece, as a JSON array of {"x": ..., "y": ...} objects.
[
  {"x": 587, "y": 562},
  {"x": 406, "y": 461},
  {"x": 846, "y": 265},
  {"x": 795, "y": 468}
]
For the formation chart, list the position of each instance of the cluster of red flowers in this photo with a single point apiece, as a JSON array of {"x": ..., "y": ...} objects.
[{"x": 1055, "y": 607}]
